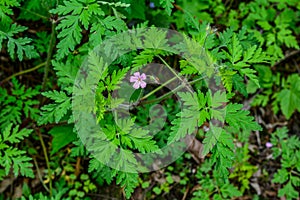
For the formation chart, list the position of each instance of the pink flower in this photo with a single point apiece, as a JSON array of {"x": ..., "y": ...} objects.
[
  {"x": 269, "y": 144},
  {"x": 138, "y": 80}
]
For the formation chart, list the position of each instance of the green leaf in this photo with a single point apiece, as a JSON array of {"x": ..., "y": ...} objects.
[
  {"x": 227, "y": 78},
  {"x": 142, "y": 140},
  {"x": 76, "y": 13},
  {"x": 216, "y": 106},
  {"x": 218, "y": 99},
  {"x": 15, "y": 136},
  {"x": 235, "y": 50},
  {"x": 288, "y": 191},
  {"x": 228, "y": 190},
  {"x": 13, "y": 157},
  {"x": 265, "y": 25},
  {"x": 67, "y": 72},
  {"x": 103, "y": 172},
  {"x": 6, "y": 9},
  {"x": 19, "y": 46},
  {"x": 70, "y": 35},
  {"x": 135, "y": 138},
  {"x": 281, "y": 176},
  {"x": 167, "y": 4},
  {"x": 226, "y": 139},
  {"x": 211, "y": 138},
  {"x": 284, "y": 36},
  {"x": 239, "y": 85},
  {"x": 22, "y": 165},
  {"x": 187, "y": 120},
  {"x": 137, "y": 9},
  {"x": 55, "y": 111},
  {"x": 289, "y": 97},
  {"x": 240, "y": 119},
  {"x": 62, "y": 136},
  {"x": 115, "y": 79},
  {"x": 223, "y": 158},
  {"x": 250, "y": 74},
  {"x": 112, "y": 23},
  {"x": 143, "y": 58},
  {"x": 156, "y": 39},
  {"x": 129, "y": 181},
  {"x": 295, "y": 181},
  {"x": 18, "y": 103}
]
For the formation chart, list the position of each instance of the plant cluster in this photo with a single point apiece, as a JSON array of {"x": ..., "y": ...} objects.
[{"x": 90, "y": 88}]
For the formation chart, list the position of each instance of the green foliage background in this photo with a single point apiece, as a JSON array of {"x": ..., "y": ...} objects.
[{"x": 251, "y": 48}]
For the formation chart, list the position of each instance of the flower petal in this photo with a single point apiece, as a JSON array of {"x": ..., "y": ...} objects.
[
  {"x": 136, "y": 85},
  {"x": 137, "y": 74},
  {"x": 143, "y": 84},
  {"x": 143, "y": 76},
  {"x": 269, "y": 144},
  {"x": 133, "y": 79}
]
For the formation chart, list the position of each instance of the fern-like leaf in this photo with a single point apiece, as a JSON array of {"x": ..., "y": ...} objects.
[
  {"x": 19, "y": 46},
  {"x": 13, "y": 157},
  {"x": 55, "y": 111},
  {"x": 19, "y": 103},
  {"x": 76, "y": 14},
  {"x": 238, "y": 118},
  {"x": 211, "y": 138},
  {"x": 129, "y": 181},
  {"x": 167, "y": 4},
  {"x": 187, "y": 120}
]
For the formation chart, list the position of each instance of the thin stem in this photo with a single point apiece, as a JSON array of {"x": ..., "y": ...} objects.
[
  {"x": 164, "y": 96},
  {"x": 295, "y": 173},
  {"x": 172, "y": 92},
  {"x": 39, "y": 175},
  {"x": 166, "y": 83},
  {"x": 47, "y": 161},
  {"x": 24, "y": 72},
  {"x": 198, "y": 79},
  {"x": 158, "y": 88},
  {"x": 293, "y": 53},
  {"x": 126, "y": 107},
  {"x": 34, "y": 13},
  {"x": 49, "y": 55},
  {"x": 172, "y": 70}
]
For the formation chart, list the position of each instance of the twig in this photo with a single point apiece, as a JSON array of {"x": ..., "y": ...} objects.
[
  {"x": 296, "y": 65},
  {"x": 47, "y": 161},
  {"x": 185, "y": 193},
  {"x": 49, "y": 54},
  {"x": 286, "y": 57},
  {"x": 23, "y": 72},
  {"x": 77, "y": 168},
  {"x": 39, "y": 175}
]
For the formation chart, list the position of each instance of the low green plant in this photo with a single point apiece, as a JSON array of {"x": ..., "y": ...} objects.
[
  {"x": 243, "y": 170},
  {"x": 212, "y": 186},
  {"x": 223, "y": 57},
  {"x": 282, "y": 93},
  {"x": 12, "y": 157},
  {"x": 18, "y": 103},
  {"x": 287, "y": 149},
  {"x": 59, "y": 192},
  {"x": 79, "y": 188}
]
